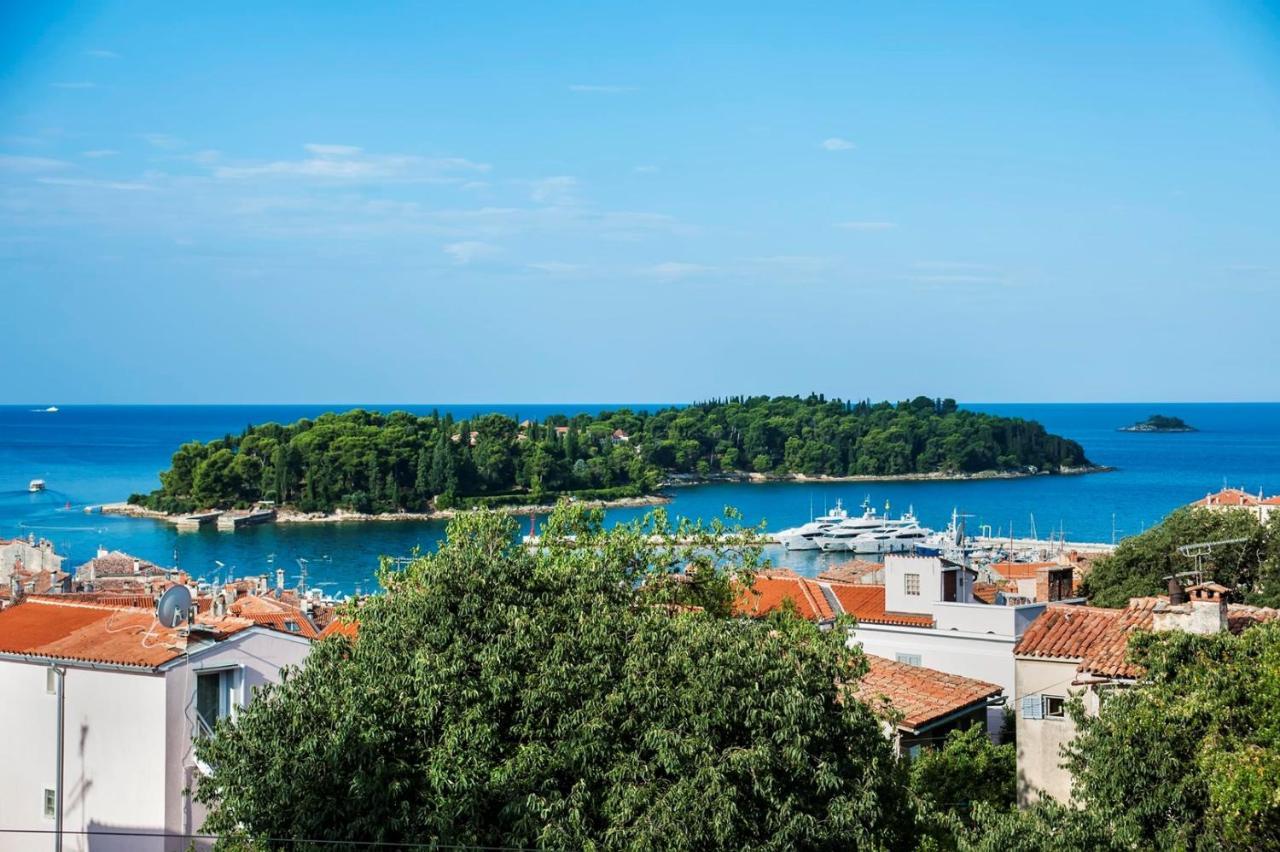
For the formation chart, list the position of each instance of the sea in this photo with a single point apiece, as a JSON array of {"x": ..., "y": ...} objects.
[{"x": 94, "y": 454}]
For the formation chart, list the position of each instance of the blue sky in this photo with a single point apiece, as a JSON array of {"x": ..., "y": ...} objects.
[{"x": 465, "y": 202}]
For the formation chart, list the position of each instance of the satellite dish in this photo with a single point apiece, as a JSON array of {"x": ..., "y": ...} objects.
[{"x": 174, "y": 606}]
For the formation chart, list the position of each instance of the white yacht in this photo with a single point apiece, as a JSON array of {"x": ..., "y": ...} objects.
[
  {"x": 35, "y": 485},
  {"x": 892, "y": 536},
  {"x": 842, "y": 535},
  {"x": 805, "y": 537}
]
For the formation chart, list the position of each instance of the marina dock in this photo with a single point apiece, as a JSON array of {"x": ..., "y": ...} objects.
[
  {"x": 232, "y": 521},
  {"x": 196, "y": 520}
]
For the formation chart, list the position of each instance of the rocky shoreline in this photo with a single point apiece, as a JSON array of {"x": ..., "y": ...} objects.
[
  {"x": 339, "y": 516},
  {"x": 287, "y": 515},
  {"x": 679, "y": 481}
]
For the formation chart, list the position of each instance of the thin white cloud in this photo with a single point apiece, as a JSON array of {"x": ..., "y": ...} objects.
[
  {"x": 595, "y": 88},
  {"x": 90, "y": 183},
  {"x": 951, "y": 266},
  {"x": 331, "y": 150},
  {"x": 16, "y": 163},
  {"x": 835, "y": 143},
  {"x": 866, "y": 226},
  {"x": 675, "y": 270},
  {"x": 348, "y": 162},
  {"x": 556, "y": 267},
  {"x": 99, "y": 153},
  {"x": 959, "y": 278},
  {"x": 558, "y": 190},
  {"x": 647, "y": 170},
  {"x": 102, "y": 54},
  {"x": 469, "y": 251},
  {"x": 162, "y": 140},
  {"x": 75, "y": 84}
]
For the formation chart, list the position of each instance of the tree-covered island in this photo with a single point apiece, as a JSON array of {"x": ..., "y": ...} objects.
[
  {"x": 365, "y": 461},
  {"x": 1160, "y": 423}
]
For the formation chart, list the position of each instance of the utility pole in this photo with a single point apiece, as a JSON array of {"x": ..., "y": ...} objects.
[{"x": 61, "y": 675}]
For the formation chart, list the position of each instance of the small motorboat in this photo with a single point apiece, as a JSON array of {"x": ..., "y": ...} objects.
[{"x": 35, "y": 485}]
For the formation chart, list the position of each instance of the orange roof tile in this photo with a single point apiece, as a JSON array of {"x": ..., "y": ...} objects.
[
  {"x": 95, "y": 633},
  {"x": 772, "y": 588},
  {"x": 339, "y": 627},
  {"x": 866, "y": 603},
  {"x": 986, "y": 592},
  {"x": 851, "y": 571},
  {"x": 811, "y": 600},
  {"x": 1234, "y": 497},
  {"x": 919, "y": 695},
  {"x": 1022, "y": 570},
  {"x": 1098, "y": 638}
]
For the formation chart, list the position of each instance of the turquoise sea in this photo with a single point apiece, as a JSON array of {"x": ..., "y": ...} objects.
[{"x": 97, "y": 454}]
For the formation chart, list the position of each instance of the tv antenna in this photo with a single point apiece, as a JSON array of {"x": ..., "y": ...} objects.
[{"x": 1201, "y": 550}]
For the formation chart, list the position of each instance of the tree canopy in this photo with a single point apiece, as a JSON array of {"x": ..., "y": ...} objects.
[
  {"x": 590, "y": 693},
  {"x": 372, "y": 462},
  {"x": 1140, "y": 563}
]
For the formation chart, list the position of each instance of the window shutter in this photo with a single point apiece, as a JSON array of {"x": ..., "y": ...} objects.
[{"x": 1032, "y": 707}]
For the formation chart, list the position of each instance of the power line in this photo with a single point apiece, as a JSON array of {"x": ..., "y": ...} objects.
[{"x": 367, "y": 844}]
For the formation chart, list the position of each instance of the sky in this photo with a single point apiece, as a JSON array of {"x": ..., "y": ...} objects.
[{"x": 553, "y": 202}]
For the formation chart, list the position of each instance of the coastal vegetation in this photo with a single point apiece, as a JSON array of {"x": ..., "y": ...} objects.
[
  {"x": 366, "y": 461},
  {"x": 598, "y": 692},
  {"x": 574, "y": 696},
  {"x": 1140, "y": 563},
  {"x": 1160, "y": 423}
]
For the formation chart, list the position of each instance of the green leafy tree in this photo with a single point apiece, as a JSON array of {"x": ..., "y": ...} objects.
[
  {"x": 967, "y": 769},
  {"x": 590, "y": 693},
  {"x": 1140, "y": 563}
]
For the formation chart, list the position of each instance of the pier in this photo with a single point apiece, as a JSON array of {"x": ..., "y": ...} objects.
[
  {"x": 232, "y": 521},
  {"x": 196, "y": 520}
]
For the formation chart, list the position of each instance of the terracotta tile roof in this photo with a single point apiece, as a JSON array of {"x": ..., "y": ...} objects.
[
  {"x": 118, "y": 564},
  {"x": 1230, "y": 497},
  {"x": 95, "y": 633},
  {"x": 339, "y": 627},
  {"x": 1098, "y": 639},
  {"x": 772, "y": 588},
  {"x": 986, "y": 592},
  {"x": 851, "y": 571},
  {"x": 811, "y": 600},
  {"x": 917, "y": 694},
  {"x": 1022, "y": 570},
  {"x": 105, "y": 599},
  {"x": 866, "y": 603},
  {"x": 291, "y": 623}
]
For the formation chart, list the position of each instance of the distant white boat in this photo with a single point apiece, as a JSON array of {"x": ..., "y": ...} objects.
[
  {"x": 53, "y": 409},
  {"x": 35, "y": 485}
]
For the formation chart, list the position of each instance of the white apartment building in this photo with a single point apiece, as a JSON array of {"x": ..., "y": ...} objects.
[{"x": 136, "y": 696}]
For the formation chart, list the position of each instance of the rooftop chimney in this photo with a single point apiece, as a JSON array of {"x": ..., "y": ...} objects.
[
  {"x": 1204, "y": 611},
  {"x": 137, "y": 567},
  {"x": 1177, "y": 595},
  {"x": 280, "y": 579}
]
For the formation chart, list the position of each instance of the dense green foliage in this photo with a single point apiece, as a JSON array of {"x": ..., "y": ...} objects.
[
  {"x": 371, "y": 462},
  {"x": 1191, "y": 759},
  {"x": 568, "y": 697},
  {"x": 1161, "y": 423},
  {"x": 969, "y": 768},
  {"x": 1140, "y": 563}
]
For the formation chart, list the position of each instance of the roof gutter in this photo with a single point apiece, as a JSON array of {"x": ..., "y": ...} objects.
[{"x": 43, "y": 660}]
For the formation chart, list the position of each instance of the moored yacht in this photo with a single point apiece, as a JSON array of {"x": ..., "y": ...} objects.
[
  {"x": 35, "y": 485},
  {"x": 892, "y": 536},
  {"x": 805, "y": 537},
  {"x": 842, "y": 535}
]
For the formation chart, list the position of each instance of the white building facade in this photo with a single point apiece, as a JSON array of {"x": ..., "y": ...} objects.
[
  {"x": 129, "y": 727},
  {"x": 968, "y": 637}
]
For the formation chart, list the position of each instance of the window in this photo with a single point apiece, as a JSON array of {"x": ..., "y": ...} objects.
[
  {"x": 1055, "y": 707},
  {"x": 215, "y": 697},
  {"x": 909, "y": 659},
  {"x": 911, "y": 584},
  {"x": 50, "y": 803}
]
